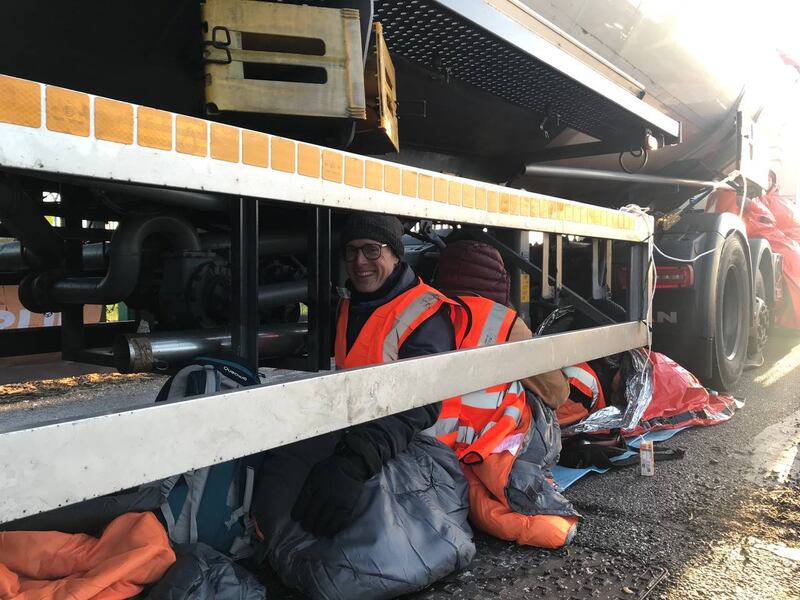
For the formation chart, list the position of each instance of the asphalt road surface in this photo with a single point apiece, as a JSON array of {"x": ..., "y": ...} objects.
[{"x": 723, "y": 522}]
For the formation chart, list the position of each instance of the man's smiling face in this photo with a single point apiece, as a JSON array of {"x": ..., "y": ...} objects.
[{"x": 368, "y": 275}]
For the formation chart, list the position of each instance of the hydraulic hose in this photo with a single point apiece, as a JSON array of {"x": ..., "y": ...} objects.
[{"x": 125, "y": 258}]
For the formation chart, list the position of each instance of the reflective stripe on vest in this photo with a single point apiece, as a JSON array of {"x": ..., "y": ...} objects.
[
  {"x": 382, "y": 336},
  {"x": 489, "y": 321},
  {"x": 486, "y": 417},
  {"x": 583, "y": 377},
  {"x": 467, "y": 434},
  {"x": 493, "y": 327}
]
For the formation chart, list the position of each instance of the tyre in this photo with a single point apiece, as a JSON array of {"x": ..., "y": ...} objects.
[
  {"x": 763, "y": 321},
  {"x": 732, "y": 314}
]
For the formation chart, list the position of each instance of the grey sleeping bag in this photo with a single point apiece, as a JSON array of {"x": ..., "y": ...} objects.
[
  {"x": 411, "y": 530},
  {"x": 530, "y": 490}
]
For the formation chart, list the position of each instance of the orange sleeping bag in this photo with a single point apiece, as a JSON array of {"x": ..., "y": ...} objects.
[
  {"x": 132, "y": 551},
  {"x": 490, "y": 510}
]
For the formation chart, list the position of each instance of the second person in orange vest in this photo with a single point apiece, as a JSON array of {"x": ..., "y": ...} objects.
[
  {"x": 475, "y": 268},
  {"x": 506, "y": 436}
]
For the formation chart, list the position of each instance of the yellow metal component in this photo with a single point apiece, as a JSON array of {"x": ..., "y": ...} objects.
[
  {"x": 440, "y": 190},
  {"x": 308, "y": 158},
  {"x": 480, "y": 198},
  {"x": 535, "y": 208},
  {"x": 374, "y": 175},
  {"x": 504, "y": 202},
  {"x": 354, "y": 171},
  {"x": 20, "y": 102},
  {"x": 224, "y": 142},
  {"x": 468, "y": 196},
  {"x": 524, "y": 288},
  {"x": 283, "y": 155},
  {"x": 154, "y": 128},
  {"x": 252, "y": 48},
  {"x": 113, "y": 121},
  {"x": 191, "y": 136},
  {"x": 492, "y": 202},
  {"x": 391, "y": 179},
  {"x": 524, "y": 206},
  {"x": 454, "y": 195},
  {"x": 379, "y": 134},
  {"x": 67, "y": 111},
  {"x": 332, "y": 169},
  {"x": 255, "y": 148},
  {"x": 409, "y": 183},
  {"x": 425, "y": 187}
]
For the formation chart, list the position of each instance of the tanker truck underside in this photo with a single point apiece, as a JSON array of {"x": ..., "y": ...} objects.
[{"x": 129, "y": 195}]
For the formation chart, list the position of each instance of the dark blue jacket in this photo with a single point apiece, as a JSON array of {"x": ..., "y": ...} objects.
[{"x": 392, "y": 434}]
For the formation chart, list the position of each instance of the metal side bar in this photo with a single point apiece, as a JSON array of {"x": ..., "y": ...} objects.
[
  {"x": 61, "y": 463},
  {"x": 239, "y": 162}
]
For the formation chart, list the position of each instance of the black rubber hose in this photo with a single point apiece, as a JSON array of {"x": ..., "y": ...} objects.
[
  {"x": 125, "y": 256},
  {"x": 281, "y": 294},
  {"x": 15, "y": 258}
]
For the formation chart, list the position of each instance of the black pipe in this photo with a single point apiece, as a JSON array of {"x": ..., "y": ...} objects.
[
  {"x": 136, "y": 352},
  {"x": 184, "y": 198},
  {"x": 269, "y": 243},
  {"x": 614, "y": 176},
  {"x": 15, "y": 258},
  {"x": 125, "y": 256},
  {"x": 281, "y": 294},
  {"x": 23, "y": 219}
]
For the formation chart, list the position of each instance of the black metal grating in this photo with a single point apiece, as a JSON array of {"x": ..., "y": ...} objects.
[{"x": 427, "y": 33}]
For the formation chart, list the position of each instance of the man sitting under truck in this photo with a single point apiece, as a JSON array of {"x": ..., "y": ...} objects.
[{"x": 356, "y": 513}]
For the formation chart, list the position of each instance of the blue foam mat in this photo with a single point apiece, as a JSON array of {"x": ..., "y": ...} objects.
[{"x": 565, "y": 477}]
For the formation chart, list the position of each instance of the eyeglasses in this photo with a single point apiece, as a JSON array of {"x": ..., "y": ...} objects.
[{"x": 370, "y": 251}]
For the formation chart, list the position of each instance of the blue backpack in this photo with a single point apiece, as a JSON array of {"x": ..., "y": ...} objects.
[{"x": 211, "y": 505}]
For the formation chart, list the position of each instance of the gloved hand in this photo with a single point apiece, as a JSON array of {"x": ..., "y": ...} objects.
[{"x": 328, "y": 498}]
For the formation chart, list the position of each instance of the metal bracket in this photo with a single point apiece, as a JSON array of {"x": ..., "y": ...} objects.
[
  {"x": 548, "y": 291},
  {"x": 601, "y": 270},
  {"x": 219, "y": 45},
  {"x": 244, "y": 259},
  {"x": 559, "y": 263},
  {"x": 319, "y": 290},
  {"x": 511, "y": 257}
]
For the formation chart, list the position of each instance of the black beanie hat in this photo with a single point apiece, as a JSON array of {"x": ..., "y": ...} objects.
[{"x": 385, "y": 229}]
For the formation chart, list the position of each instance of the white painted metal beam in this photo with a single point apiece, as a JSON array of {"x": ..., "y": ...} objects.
[{"x": 53, "y": 465}]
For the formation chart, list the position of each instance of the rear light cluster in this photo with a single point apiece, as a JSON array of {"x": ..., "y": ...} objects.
[
  {"x": 674, "y": 276},
  {"x": 667, "y": 277}
]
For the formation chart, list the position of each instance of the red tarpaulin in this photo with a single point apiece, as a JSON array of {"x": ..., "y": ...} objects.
[{"x": 680, "y": 400}]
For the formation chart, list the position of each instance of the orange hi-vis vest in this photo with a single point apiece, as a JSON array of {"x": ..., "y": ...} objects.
[
  {"x": 478, "y": 423},
  {"x": 586, "y": 394},
  {"x": 386, "y": 329},
  {"x": 488, "y": 436}
]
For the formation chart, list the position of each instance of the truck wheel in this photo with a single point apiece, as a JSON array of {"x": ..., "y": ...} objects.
[
  {"x": 732, "y": 314},
  {"x": 763, "y": 315}
]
